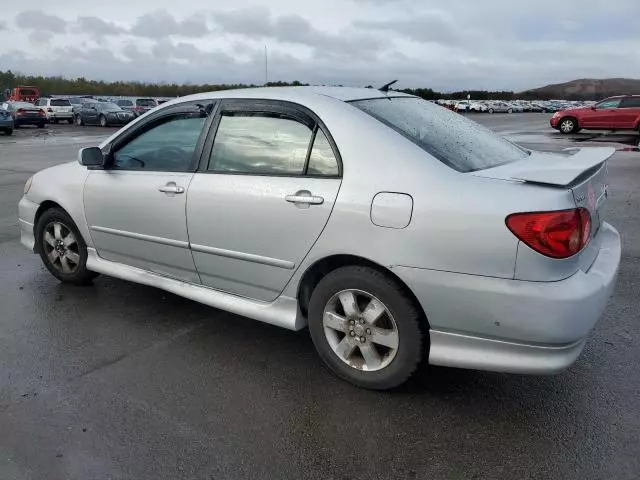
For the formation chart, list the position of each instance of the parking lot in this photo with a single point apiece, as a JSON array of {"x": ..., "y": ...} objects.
[{"x": 122, "y": 381}]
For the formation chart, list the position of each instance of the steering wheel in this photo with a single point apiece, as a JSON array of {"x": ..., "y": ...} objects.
[
  {"x": 125, "y": 157},
  {"x": 171, "y": 154}
]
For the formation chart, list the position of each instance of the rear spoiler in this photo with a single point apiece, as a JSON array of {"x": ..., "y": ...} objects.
[{"x": 560, "y": 170}]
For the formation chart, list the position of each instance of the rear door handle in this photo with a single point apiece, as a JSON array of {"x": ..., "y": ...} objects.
[
  {"x": 171, "y": 187},
  {"x": 304, "y": 197}
]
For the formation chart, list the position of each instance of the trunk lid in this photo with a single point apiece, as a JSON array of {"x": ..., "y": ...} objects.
[{"x": 581, "y": 170}]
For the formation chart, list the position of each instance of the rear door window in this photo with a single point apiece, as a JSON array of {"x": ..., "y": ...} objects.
[
  {"x": 457, "y": 142},
  {"x": 260, "y": 143},
  {"x": 630, "y": 102}
]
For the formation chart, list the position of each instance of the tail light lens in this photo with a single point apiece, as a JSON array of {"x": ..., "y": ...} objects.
[
  {"x": 20, "y": 111},
  {"x": 41, "y": 113},
  {"x": 50, "y": 110},
  {"x": 559, "y": 234}
]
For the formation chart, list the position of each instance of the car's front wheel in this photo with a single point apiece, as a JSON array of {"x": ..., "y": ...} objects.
[
  {"x": 103, "y": 121},
  {"x": 79, "y": 120},
  {"x": 568, "y": 125},
  {"x": 366, "y": 328},
  {"x": 62, "y": 248}
]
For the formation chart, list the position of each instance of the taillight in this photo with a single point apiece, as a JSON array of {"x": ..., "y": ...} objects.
[
  {"x": 559, "y": 234},
  {"x": 50, "y": 110},
  {"x": 20, "y": 111},
  {"x": 41, "y": 112}
]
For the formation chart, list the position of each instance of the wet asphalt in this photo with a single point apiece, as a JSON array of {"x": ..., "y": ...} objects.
[{"x": 122, "y": 381}]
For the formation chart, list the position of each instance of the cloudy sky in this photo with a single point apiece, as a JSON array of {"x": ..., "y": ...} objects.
[{"x": 442, "y": 44}]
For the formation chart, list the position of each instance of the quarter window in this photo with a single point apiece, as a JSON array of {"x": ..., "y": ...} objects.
[
  {"x": 260, "y": 143},
  {"x": 322, "y": 161},
  {"x": 167, "y": 146}
]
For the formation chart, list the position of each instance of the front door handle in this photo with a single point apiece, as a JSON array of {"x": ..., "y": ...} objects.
[
  {"x": 171, "y": 188},
  {"x": 304, "y": 197}
]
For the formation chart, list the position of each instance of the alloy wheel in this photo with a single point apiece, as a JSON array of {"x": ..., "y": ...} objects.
[
  {"x": 61, "y": 247},
  {"x": 567, "y": 126},
  {"x": 360, "y": 330}
]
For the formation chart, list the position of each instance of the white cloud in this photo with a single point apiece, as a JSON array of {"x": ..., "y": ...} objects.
[{"x": 445, "y": 45}]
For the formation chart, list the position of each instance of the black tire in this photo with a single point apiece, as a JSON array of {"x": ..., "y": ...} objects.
[
  {"x": 79, "y": 121},
  {"x": 491, "y": 110},
  {"x": 568, "y": 125},
  {"x": 412, "y": 331},
  {"x": 79, "y": 275},
  {"x": 510, "y": 110},
  {"x": 41, "y": 125},
  {"x": 8, "y": 132},
  {"x": 54, "y": 120},
  {"x": 103, "y": 121}
]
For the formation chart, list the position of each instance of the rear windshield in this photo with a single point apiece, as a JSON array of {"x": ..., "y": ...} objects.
[
  {"x": 23, "y": 105},
  {"x": 125, "y": 103},
  {"x": 456, "y": 141},
  {"x": 145, "y": 102},
  {"x": 60, "y": 102}
]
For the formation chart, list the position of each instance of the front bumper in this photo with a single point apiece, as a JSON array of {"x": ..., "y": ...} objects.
[
  {"x": 26, "y": 218},
  {"x": 511, "y": 325},
  {"x": 554, "y": 122}
]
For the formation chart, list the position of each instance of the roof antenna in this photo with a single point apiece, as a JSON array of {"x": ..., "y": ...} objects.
[{"x": 385, "y": 87}]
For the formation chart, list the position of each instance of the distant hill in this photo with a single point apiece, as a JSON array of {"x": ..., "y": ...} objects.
[{"x": 586, "y": 89}]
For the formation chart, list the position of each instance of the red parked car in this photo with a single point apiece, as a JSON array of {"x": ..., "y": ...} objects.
[{"x": 615, "y": 113}]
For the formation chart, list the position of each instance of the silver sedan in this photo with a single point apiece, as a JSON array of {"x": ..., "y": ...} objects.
[{"x": 398, "y": 232}]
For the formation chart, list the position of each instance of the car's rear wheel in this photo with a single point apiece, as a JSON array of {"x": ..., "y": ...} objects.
[
  {"x": 54, "y": 120},
  {"x": 568, "y": 125},
  {"x": 41, "y": 125},
  {"x": 79, "y": 120},
  {"x": 510, "y": 110},
  {"x": 491, "y": 110},
  {"x": 62, "y": 248},
  {"x": 366, "y": 328},
  {"x": 103, "y": 121}
]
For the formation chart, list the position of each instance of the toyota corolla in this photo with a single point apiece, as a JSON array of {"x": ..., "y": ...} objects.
[{"x": 398, "y": 232}]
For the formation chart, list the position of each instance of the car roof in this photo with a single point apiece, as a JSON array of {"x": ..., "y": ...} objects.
[{"x": 346, "y": 94}]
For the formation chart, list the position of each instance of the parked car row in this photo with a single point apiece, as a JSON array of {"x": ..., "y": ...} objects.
[
  {"x": 515, "y": 106},
  {"x": 78, "y": 110}
]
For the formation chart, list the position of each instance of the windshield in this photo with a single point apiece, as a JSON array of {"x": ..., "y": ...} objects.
[
  {"x": 59, "y": 102},
  {"x": 107, "y": 106},
  {"x": 145, "y": 102},
  {"x": 457, "y": 142}
]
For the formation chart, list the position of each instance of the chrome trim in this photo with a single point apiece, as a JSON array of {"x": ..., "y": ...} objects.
[
  {"x": 140, "y": 236},
  {"x": 464, "y": 351},
  {"x": 249, "y": 257},
  {"x": 282, "y": 312}
]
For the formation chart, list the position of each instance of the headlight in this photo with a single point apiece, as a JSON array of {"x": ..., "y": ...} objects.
[{"x": 27, "y": 186}]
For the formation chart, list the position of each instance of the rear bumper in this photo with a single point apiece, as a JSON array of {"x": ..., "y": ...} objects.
[
  {"x": 60, "y": 115},
  {"x": 511, "y": 325},
  {"x": 30, "y": 121}
]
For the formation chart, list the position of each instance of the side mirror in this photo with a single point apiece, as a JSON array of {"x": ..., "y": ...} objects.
[{"x": 91, "y": 157}]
